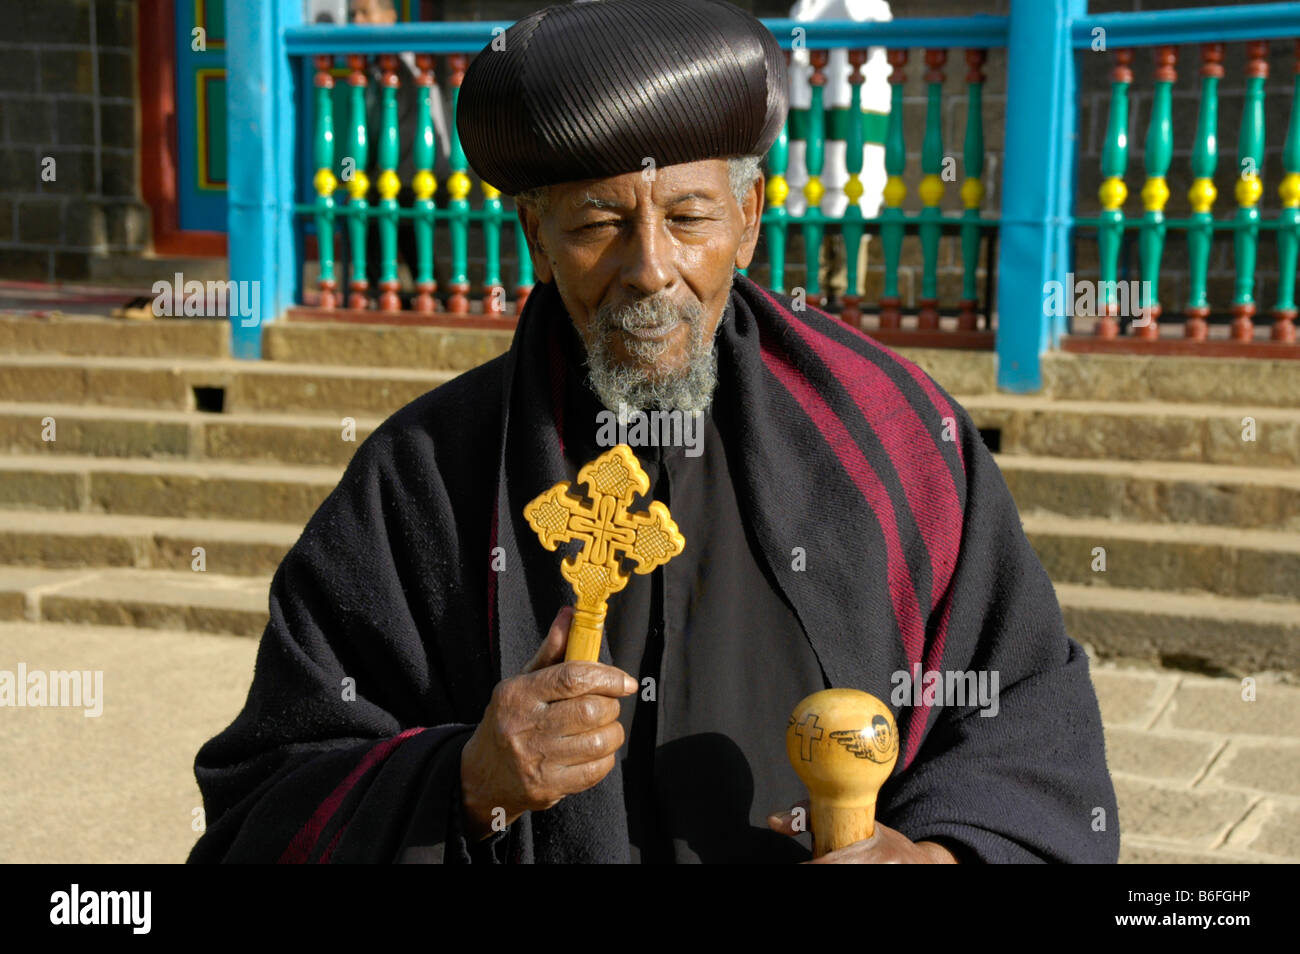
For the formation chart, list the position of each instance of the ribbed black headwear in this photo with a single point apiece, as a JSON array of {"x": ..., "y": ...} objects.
[{"x": 589, "y": 90}]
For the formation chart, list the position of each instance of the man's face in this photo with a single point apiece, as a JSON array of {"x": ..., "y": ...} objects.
[
  {"x": 644, "y": 267},
  {"x": 372, "y": 11}
]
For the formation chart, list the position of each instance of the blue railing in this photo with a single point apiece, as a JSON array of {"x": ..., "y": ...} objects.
[{"x": 267, "y": 43}]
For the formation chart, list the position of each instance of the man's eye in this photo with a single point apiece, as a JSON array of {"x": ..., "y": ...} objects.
[
  {"x": 688, "y": 218},
  {"x": 597, "y": 225}
]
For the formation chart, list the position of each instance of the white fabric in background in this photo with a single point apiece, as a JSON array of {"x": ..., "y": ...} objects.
[{"x": 836, "y": 92}]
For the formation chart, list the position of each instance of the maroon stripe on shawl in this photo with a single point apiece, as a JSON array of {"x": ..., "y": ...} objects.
[
  {"x": 908, "y": 444},
  {"x": 944, "y": 548},
  {"x": 927, "y": 384},
  {"x": 300, "y": 848},
  {"x": 933, "y": 658},
  {"x": 902, "y": 594},
  {"x": 933, "y": 655},
  {"x": 325, "y": 855}
]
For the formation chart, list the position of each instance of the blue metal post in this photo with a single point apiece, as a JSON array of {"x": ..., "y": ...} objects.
[
  {"x": 1037, "y": 183},
  {"x": 262, "y": 93}
]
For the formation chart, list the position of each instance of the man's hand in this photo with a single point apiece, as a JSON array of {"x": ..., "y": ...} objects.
[
  {"x": 885, "y": 847},
  {"x": 547, "y": 733}
]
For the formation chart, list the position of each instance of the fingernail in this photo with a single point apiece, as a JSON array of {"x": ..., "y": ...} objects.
[{"x": 629, "y": 684}]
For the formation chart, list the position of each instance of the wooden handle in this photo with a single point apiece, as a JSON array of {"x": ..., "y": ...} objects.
[
  {"x": 843, "y": 743},
  {"x": 584, "y": 636}
]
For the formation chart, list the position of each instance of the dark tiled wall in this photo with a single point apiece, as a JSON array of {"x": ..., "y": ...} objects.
[{"x": 68, "y": 104}]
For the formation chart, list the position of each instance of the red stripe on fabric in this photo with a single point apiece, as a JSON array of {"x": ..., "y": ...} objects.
[
  {"x": 329, "y": 850},
  {"x": 908, "y": 444},
  {"x": 934, "y": 655},
  {"x": 932, "y": 392},
  {"x": 947, "y": 555},
  {"x": 902, "y": 593},
  {"x": 300, "y": 848},
  {"x": 933, "y": 659}
]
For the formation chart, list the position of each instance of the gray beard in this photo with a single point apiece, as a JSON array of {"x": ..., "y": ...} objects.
[{"x": 638, "y": 385}]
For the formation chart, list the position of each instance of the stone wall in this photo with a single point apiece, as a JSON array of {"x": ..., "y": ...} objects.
[{"x": 68, "y": 93}]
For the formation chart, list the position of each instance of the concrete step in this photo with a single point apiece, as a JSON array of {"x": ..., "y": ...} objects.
[
  {"x": 244, "y": 386},
  {"x": 1243, "y": 382},
  {"x": 1265, "y": 498},
  {"x": 1246, "y": 382},
  {"x": 1167, "y": 557},
  {"x": 1211, "y": 634},
  {"x": 1152, "y": 430},
  {"x": 64, "y": 540},
  {"x": 958, "y": 372},
  {"x": 164, "y": 488},
  {"x": 94, "y": 336},
  {"x": 387, "y": 346},
  {"x": 1216, "y": 635},
  {"x": 194, "y": 435},
  {"x": 149, "y": 599}
]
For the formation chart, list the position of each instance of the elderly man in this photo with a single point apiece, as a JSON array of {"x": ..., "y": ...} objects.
[{"x": 844, "y": 527}]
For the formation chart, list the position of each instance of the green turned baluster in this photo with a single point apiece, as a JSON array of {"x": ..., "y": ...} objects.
[
  {"x": 852, "y": 225},
  {"x": 458, "y": 186},
  {"x": 1288, "y": 225},
  {"x": 972, "y": 189},
  {"x": 324, "y": 181},
  {"x": 359, "y": 184},
  {"x": 494, "y": 293},
  {"x": 1159, "y": 150},
  {"x": 1250, "y": 156},
  {"x": 931, "y": 191},
  {"x": 891, "y": 228},
  {"x": 777, "y": 215},
  {"x": 389, "y": 186},
  {"x": 1113, "y": 192},
  {"x": 424, "y": 185},
  {"x": 813, "y": 189},
  {"x": 1200, "y": 235}
]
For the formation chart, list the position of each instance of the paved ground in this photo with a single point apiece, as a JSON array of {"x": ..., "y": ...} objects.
[{"x": 1203, "y": 775}]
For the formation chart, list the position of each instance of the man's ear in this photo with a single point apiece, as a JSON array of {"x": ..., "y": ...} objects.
[
  {"x": 532, "y": 226},
  {"x": 752, "y": 211}
]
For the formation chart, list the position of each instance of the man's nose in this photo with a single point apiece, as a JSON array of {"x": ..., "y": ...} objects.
[{"x": 648, "y": 267}]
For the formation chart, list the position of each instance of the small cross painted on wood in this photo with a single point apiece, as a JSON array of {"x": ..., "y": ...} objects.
[
  {"x": 809, "y": 732},
  {"x": 610, "y": 533}
]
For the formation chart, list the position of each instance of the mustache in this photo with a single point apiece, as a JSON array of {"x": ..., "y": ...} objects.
[{"x": 645, "y": 314}]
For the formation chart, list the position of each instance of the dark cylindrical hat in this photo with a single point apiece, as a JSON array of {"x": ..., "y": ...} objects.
[{"x": 590, "y": 90}]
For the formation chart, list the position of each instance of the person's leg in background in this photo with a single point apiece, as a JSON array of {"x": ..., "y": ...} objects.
[
  {"x": 833, "y": 273},
  {"x": 406, "y": 247}
]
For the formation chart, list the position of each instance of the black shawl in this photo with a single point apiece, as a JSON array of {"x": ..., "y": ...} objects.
[{"x": 913, "y": 557}]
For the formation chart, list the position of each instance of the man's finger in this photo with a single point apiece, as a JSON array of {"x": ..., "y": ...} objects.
[
  {"x": 591, "y": 746},
  {"x": 792, "y": 822},
  {"x": 574, "y": 716},
  {"x": 557, "y": 639},
  {"x": 571, "y": 779},
  {"x": 568, "y": 680}
]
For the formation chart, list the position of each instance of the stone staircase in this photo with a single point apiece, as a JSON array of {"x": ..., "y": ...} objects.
[{"x": 168, "y": 454}]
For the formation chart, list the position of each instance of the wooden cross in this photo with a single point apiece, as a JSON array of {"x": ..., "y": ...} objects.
[{"x": 609, "y": 533}]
